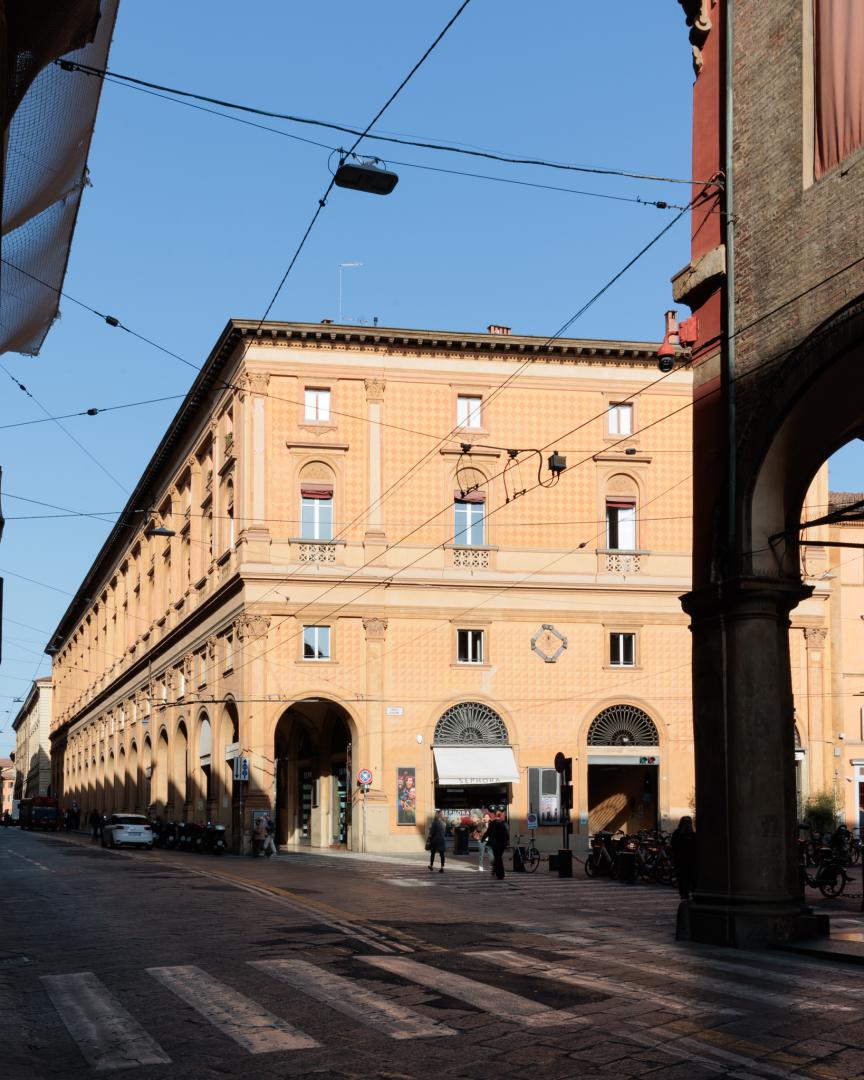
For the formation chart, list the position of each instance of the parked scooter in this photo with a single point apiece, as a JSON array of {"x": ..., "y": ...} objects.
[{"x": 214, "y": 839}]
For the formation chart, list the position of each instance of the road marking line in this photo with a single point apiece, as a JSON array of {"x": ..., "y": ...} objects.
[
  {"x": 106, "y": 1034},
  {"x": 527, "y": 965},
  {"x": 235, "y": 1015},
  {"x": 491, "y": 999},
  {"x": 348, "y": 997},
  {"x": 32, "y": 862},
  {"x": 724, "y": 986}
]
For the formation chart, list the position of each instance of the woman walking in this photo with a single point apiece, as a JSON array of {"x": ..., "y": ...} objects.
[
  {"x": 437, "y": 834},
  {"x": 480, "y": 828}
]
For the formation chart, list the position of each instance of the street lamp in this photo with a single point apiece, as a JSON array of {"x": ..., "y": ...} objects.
[
  {"x": 158, "y": 530},
  {"x": 345, "y": 266}
]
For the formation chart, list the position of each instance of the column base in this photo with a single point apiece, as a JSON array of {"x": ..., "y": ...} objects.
[{"x": 747, "y": 926}]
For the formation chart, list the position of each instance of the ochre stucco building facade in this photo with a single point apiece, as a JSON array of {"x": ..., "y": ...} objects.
[{"x": 359, "y": 557}]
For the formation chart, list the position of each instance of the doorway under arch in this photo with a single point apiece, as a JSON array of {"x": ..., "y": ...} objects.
[
  {"x": 312, "y": 754},
  {"x": 623, "y": 767}
]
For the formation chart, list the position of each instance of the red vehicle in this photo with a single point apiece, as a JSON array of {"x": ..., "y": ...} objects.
[{"x": 39, "y": 812}]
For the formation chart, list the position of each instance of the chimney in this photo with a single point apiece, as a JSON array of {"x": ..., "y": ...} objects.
[{"x": 502, "y": 330}]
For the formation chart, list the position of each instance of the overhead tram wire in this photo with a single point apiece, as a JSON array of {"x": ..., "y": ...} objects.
[
  {"x": 660, "y": 204},
  {"x": 65, "y": 431},
  {"x": 597, "y": 170}
]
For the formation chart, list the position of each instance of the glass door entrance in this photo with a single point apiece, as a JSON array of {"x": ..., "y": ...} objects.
[{"x": 306, "y": 794}]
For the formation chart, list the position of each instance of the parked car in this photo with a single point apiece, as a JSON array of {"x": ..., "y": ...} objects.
[{"x": 121, "y": 830}]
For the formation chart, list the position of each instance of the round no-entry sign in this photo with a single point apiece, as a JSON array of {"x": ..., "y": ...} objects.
[{"x": 364, "y": 777}]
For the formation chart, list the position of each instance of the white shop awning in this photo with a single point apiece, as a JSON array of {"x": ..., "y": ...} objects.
[{"x": 466, "y": 765}]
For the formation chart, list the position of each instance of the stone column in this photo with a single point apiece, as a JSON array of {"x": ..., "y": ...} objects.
[
  {"x": 371, "y": 749},
  {"x": 821, "y": 764},
  {"x": 748, "y": 891},
  {"x": 375, "y": 533}
]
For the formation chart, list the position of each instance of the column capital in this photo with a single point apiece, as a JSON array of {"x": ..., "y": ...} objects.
[
  {"x": 255, "y": 382},
  {"x": 815, "y": 636},
  {"x": 748, "y": 597},
  {"x": 374, "y": 389},
  {"x": 375, "y": 628},
  {"x": 251, "y": 627}
]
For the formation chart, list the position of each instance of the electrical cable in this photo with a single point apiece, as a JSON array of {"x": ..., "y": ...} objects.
[
  {"x": 65, "y": 431},
  {"x": 92, "y": 411},
  {"x": 659, "y": 204},
  {"x": 114, "y": 76}
]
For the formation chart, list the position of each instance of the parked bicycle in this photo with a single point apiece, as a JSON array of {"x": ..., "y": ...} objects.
[
  {"x": 829, "y": 875},
  {"x": 600, "y": 859},
  {"x": 528, "y": 853}
]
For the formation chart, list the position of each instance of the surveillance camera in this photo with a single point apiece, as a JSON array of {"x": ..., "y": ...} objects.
[
  {"x": 841, "y": 735},
  {"x": 665, "y": 364}
]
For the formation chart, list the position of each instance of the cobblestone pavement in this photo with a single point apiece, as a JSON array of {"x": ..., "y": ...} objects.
[{"x": 160, "y": 965}]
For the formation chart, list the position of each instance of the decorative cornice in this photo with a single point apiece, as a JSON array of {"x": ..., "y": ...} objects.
[{"x": 696, "y": 15}]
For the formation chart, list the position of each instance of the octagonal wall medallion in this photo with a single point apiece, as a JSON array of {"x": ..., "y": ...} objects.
[{"x": 548, "y": 643}]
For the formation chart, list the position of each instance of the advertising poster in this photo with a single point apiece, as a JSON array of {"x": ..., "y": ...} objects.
[{"x": 406, "y": 796}]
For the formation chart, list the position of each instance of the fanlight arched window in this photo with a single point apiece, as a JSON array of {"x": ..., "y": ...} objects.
[
  {"x": 623, "y": 725},
  {"x": 471, "y": 723}
]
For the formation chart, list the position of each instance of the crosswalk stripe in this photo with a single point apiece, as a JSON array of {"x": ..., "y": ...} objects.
[
  {"x": 243, "y": 1020},
  {"x": 561, "y": 975},
  {"x": 352, "y": 999},
  {"x": 491, "y": 999},
  {"x": 722, "y": 986},
  {"x": 106, "y": 1033}
]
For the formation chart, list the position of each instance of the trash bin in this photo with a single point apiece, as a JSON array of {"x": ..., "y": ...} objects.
[
  {"x": 625, "y": 867},
  {"x": 518, "y": 860},
  {"x": 565, "y": 862},
  {"x": 460, "y": 843}
]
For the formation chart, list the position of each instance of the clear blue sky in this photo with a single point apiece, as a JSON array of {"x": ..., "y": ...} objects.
[{"x": 192, "y": 219}]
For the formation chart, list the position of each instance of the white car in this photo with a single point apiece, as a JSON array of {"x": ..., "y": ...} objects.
[{"x": 121, "y": 830}]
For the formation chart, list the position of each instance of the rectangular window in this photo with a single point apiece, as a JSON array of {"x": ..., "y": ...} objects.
[
  {"x": 201, "y": 668},
  {"x": 622, "y": 650},
  {"x": 470, "y": 646},
  {"x": 229, "y": 652},
  {"x": 544, "y": 795},
  {"x": 620, "y": 419},
  {"x": 316, "y": 512},
  {"x": 468, "y": 410},
  {"x": 316, "y": 642},
  {"x": 316, "y": 405},
  {"x": 621, "y": 524},
  {"x": 469, "y": 521},
  {"x": 181, "y": 687}
]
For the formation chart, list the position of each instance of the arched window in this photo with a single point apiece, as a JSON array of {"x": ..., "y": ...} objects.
[
  {"x": 469, "y": 506},
  {"x": 623, "y": 725},
  {"x": 621, "y": 502},
  {"x": 316, "y": 501},
  {"x": 471, "y": 723}
]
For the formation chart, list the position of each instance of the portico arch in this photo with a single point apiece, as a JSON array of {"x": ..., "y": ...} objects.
[
  {"x": 794, "y": 416},
  {"x": 179, "y": 772},
  {"x": 312, "y": 744}
]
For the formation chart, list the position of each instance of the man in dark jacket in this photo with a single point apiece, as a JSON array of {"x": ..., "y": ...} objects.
[{"x": 497, "y": 836}]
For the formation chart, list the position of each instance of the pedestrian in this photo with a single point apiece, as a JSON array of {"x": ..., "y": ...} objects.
[
  {"x": 259, "y": 834},
  {"x": 7, "y": 819},
  {"x": 480, "y": 828},
  {"x": 95, "y": 823},
  {"x": 76, "y": 815},
  {"x": 497, "y": 836},
  {"x": 270, "y": 841},
  {"x": 683, "y": 846},
  {"x": 436, "y": 842}
]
